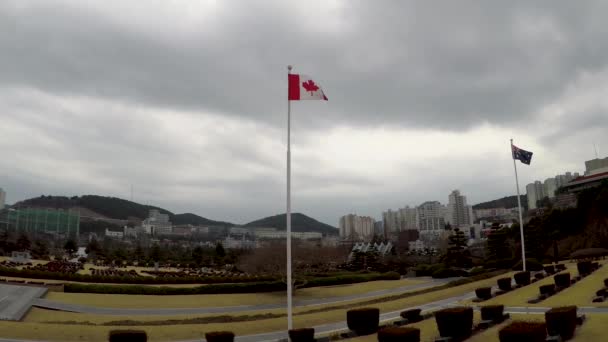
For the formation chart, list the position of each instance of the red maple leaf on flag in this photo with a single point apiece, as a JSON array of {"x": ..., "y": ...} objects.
[{"x": 310, "y": 86}]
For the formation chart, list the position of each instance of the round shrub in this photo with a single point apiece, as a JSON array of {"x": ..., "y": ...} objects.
[
  {"x": 548, "y": 289},
  {"x": 363, "y": 321},
  {"x": 560, "y": 267},
  {"x": 446, "y": 273},
  {"x": 539, "y": 276},
  {"x": 412, "y": 315},
  {"x": 455, "y": 322},
  {"x": 519, "y": 331},
  {"x": 522, "y": 278},
  {"x": 606, "y": 282},
  {"x": 601, "y": 293},
  {"x": 476, "y": 271},
  {"x": 562, "y": 279},
  {"x": 302, "y": 335},
  {"x": 549, "y": 269},
  {"x": 399, "y": 334},
  {"x": 584, "y": 267},
  {"x": 561, "y": 321},
  {"x": 483, "y": 293},
  {"x": 492, "y": 312},
  {"x": 504, "y": 284},
  {"x": 219, "y": 336},
  {"x": 531, "y": 265},
  {"x": 127, "y": 336}
]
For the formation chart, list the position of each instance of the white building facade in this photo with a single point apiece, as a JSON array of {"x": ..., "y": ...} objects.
[
  {"x": 431, "y": 218},
  {"x": 157, "y": 223},
  {"x": 459, "y": 213}
]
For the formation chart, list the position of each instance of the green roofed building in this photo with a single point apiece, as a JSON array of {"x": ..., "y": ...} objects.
[{"x": 41, "y": 220}]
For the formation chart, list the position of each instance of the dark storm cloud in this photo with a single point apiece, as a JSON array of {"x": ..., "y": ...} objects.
[{"x": 423, "y": 64}]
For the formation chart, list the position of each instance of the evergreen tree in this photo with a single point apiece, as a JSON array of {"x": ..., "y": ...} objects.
[
  {"x": 155, "y": 253},
  {"x": 456, "y": 255},
  {"x": 23, "y": 243},
  {"x": 499, "y": 253},
  {"x": 219, "y": 250},
  {"x": 40, "y": 250},
  {"x": 138, "y": 253},
  {"x": 70, "y": 247},
  {"x": 197, "y": 255}
]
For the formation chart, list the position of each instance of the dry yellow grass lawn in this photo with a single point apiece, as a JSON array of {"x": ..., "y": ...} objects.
[
  {"x": 582, "y": 292},
  {"x": 193, "y": 301},
  {"x": 592, "y": 330}
]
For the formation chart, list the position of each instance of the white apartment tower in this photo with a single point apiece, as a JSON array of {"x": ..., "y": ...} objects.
[
  {"x": 459, "y": 213},
  {"x": 431, "y": 218},
  {"x": 535, "y": 192},
  {"x": 2, "y": 199},
  {"x": 356, "y": 227}
]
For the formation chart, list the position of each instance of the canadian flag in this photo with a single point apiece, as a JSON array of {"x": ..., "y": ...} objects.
[{"x": 302, "y": 87}]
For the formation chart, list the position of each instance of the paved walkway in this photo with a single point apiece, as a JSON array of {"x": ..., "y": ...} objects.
[
  {"x": 15, "y": 300},
  {"x": 56, "y": 305}
]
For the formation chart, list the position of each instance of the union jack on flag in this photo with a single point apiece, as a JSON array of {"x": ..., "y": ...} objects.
[{"x": 521, "y": 155}]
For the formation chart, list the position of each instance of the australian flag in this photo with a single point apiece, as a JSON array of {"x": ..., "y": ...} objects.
[{"x": 521, "y": 155}]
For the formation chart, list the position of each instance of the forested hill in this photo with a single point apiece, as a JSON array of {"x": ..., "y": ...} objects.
[
  {"x": 299, "y": 223},
  {"x": 115, "y": 208},
  {"x": 505, "y": 202}
]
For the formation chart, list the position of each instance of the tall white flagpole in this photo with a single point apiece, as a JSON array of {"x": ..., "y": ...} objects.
[
  {"x": 288, "y": 214},
  {"x": 521, "y": 223}
]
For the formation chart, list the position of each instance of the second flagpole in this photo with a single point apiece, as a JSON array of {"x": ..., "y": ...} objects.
[
  {"x": 521, "y": 223},
  {"x": 288, "y": 213}
]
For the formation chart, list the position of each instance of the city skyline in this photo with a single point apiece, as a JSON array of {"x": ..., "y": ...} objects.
[{"x": 193, "y": 115}]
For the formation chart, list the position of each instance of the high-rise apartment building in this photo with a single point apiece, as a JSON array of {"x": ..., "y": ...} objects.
[
  {"x": 431, "y": 217},
  {"x": 408, "y": 219},
  {"x": 595, "y": 166},
  {"x": 2, "y": 199},
  {"x": 356, "y": 227},
  {"x": 538, "y": 190},
  {"x": 459, "y": 213},
  {"x": 390, "y": 219},
  {"x": 535, "y": 192}
]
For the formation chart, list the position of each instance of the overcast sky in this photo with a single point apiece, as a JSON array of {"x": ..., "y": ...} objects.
[{"x": 186, "y": 101}]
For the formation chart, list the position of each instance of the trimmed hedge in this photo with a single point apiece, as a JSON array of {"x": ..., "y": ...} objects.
[
  {"x": 504, "y": 284},
  {"x": 363, "y": 321},
  {"x": 562, "y": 279},
  {"x": 549, "y": 269},
  {"x": 352, "y": 279},
  {"x": 302, "y": 335},
  {"x": 531, "y": 265},
  {"x": 584, "y": 267},
  {"x": 165, "y": 290},
  {"x": 560, "y": 267},
  {"x": 492, "y": 312},
  {"x": 606, "y": 282},
  {"x": 455, "y": 322},
  {"x": 127, "y": 336},
  {"x": 483, "y": 293},
  {"x": 519, "y": 331},
  {"x": 399, "y": 334},
  {"x": 219, "y": 336},
  {"x": 522, "y": 278},
  {"x": 561, "y": 321},
  {"x": 548, "y": 289},
  {"x": 412, "y": 315},
  {"x": 89, "y": 278}
]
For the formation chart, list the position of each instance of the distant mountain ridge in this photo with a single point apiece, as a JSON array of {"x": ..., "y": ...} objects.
[
  {"x": 299, "y": 223},
  {"x": 505, "y": 202},
  {"x": 121, "y": 209},
  {"x": 115, "y": 208}
]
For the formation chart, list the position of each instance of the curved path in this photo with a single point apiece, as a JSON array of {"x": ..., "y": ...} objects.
[{"x": 56, "y": 305}]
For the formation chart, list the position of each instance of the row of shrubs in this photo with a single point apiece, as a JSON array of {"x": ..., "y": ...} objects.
[
  {"x": 439, "y": 271},
  {"x": 224, "y": 288},
  {"x": 351, "y": 279},
  {"x": 89, "y": 278},
  {"x": 560, "y": 322},
  {"x": 269, "y": 286}
]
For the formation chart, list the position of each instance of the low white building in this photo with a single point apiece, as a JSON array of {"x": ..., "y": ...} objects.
[
  {"x": 114, "y": 234},
  {"x": 272, "y": 233},
  {"x": 417, "y": 245}
]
